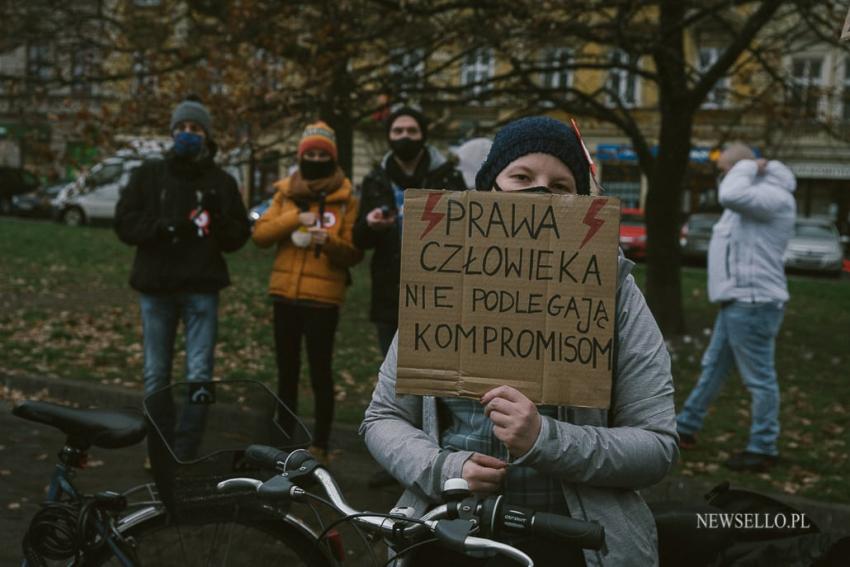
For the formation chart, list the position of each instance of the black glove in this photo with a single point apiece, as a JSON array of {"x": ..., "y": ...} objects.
[
  {"x": 211, "y": 201},
  {"x": 175, "y": 229}
]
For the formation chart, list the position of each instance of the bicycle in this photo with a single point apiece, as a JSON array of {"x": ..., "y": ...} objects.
[
  {"x": 464, "y": 523},
  {"x": 156, "y": 523}
]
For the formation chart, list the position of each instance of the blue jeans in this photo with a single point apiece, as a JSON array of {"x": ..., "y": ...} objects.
[
  {"x": 744, "y": 334},
  {"x": 160, "y": 317}
]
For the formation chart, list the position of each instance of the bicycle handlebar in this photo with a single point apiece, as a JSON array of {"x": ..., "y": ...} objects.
[
  {"x": 517, "y": 519},
  {"x": 451, "y": 523}
]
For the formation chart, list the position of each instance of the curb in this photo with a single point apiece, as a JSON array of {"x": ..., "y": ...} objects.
[{"x": 830, "y": 517}]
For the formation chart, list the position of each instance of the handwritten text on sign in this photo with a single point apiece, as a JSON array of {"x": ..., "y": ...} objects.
[{"x": 501, "y": 288}]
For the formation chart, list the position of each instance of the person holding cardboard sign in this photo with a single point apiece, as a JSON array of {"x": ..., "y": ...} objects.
[
  {"x": 310, "y": 221},
  {"x": 584, "y": 462}
]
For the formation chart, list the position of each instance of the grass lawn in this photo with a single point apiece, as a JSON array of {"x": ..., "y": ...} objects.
[{"x": 66, "y": 311}]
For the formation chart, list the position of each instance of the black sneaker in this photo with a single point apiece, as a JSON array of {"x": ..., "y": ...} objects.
[
  {"x": 381, "y": 478},
  {"x": 687, "y": 441},
  {"x": 745, "y": 461}
]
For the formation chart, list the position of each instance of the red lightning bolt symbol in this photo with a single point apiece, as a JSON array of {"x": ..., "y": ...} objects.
[
  {"x": 591, "y": 221},
  {"x": 429, "y": 215}
]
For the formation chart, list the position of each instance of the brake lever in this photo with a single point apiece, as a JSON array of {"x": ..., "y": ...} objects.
[
  {"x": 279, "y": 488},
  {"x": 234, "y": 483}
]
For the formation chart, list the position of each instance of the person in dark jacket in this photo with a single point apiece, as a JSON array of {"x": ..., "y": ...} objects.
[
  {"x": 410, "y": 163},
  {"x": 181, "y": 213}
]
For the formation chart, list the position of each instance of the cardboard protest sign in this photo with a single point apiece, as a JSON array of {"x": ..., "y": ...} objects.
[{"x": 508, "y": 288}]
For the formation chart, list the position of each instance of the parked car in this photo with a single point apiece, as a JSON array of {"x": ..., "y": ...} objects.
[
  {"x": 37, "y": 203},
  {"x": 633, "y": 233},
  {"x": 696, "y": 234},
  {"x": 815, "y": 246},
  {"x": 14, "y": 181},
  {"x": 93, "y": 196},
  {"x": 257, "y": 211}
]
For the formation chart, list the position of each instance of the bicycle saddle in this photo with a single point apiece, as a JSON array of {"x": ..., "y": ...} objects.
[{"x": 108, "y": 429}]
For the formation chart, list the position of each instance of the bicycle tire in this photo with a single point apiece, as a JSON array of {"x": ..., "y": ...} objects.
[{"x": 249, "y": 537}]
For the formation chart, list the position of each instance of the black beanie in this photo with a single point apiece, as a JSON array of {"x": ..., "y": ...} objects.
[
  {"x": 413, "y": 113},
  {"x": 536, "y": 134}
]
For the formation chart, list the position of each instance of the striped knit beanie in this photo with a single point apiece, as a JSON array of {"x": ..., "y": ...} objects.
[{"x": 318, "y": 136}]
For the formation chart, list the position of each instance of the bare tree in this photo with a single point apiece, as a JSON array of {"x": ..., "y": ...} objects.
[
  {"x": 267, "y": 67},
  {"x": 657, "y": 41}
]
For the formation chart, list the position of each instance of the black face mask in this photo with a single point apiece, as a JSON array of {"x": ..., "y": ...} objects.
[
  {"x": 538, "y": 189},
  {"x": 406, "y": 149},
  {"x": 311, "y": 169}
]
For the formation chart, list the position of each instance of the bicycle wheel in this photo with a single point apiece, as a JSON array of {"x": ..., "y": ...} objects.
[{"x": 207, "y": 539}]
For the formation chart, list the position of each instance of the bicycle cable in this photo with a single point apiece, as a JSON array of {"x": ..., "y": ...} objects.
[
  {"x": 61, "y": 530},
  {"x": 349, "y": 517},
  {"x": 408, "y": 549},
  {"x": 357, "y": 529}
]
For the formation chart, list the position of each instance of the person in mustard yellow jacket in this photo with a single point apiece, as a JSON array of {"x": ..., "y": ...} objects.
[{"x": 310, "y": 221}]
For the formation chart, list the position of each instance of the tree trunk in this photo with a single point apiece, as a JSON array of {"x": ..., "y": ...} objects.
[
  {"x": 336, "y": 111},
  {"x": 345, "y": 143},
  {"x": 663, "y": 218}
]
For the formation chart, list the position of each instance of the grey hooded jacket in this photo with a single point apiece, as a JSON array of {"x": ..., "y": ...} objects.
[
  {"x": 601, "y": 467},
  {"x": 745, "y": 255}
]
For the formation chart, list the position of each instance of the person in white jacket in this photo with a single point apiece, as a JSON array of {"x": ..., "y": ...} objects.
[{"x": 746, "y": 277}]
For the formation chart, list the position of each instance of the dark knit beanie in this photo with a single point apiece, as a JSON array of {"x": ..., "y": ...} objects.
[
  {"x": 413, "y": 113},
  {"x": 536, "y": 134},
  {"x": 192, "y": 109}
]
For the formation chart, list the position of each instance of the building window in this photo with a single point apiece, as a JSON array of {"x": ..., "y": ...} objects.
[
  {"x": 477, "y": 69},
  {"x": 807, "y": 83},
  {"x": 555, "y": 64},
  {"x": 218, "y": 87},
  {"x": 622, "y": 180},
  {"x": 39, "y": 66},
  {"x": 143, "y": 82},
  {"x": 270, "y": 76},
  {"x": 623, "y": 82},
  {"x": 407, "y": 69},
  {"x": 82, "y": 69},
  {"x": 717, "y": 96},
  {"x": 845, "y": 92}
]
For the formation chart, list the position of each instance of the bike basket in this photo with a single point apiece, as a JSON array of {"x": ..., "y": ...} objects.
[{"x": 198, "y": 433}]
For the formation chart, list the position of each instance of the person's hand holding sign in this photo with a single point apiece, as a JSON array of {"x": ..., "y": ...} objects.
[{"x": 516, "y": 421}]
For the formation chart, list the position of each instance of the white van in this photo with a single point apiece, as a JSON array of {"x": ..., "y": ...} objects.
[{"x": 94, "y": 195}]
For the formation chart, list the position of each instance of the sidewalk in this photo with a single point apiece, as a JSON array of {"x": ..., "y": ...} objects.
[{"x": 354, "y": 465}]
